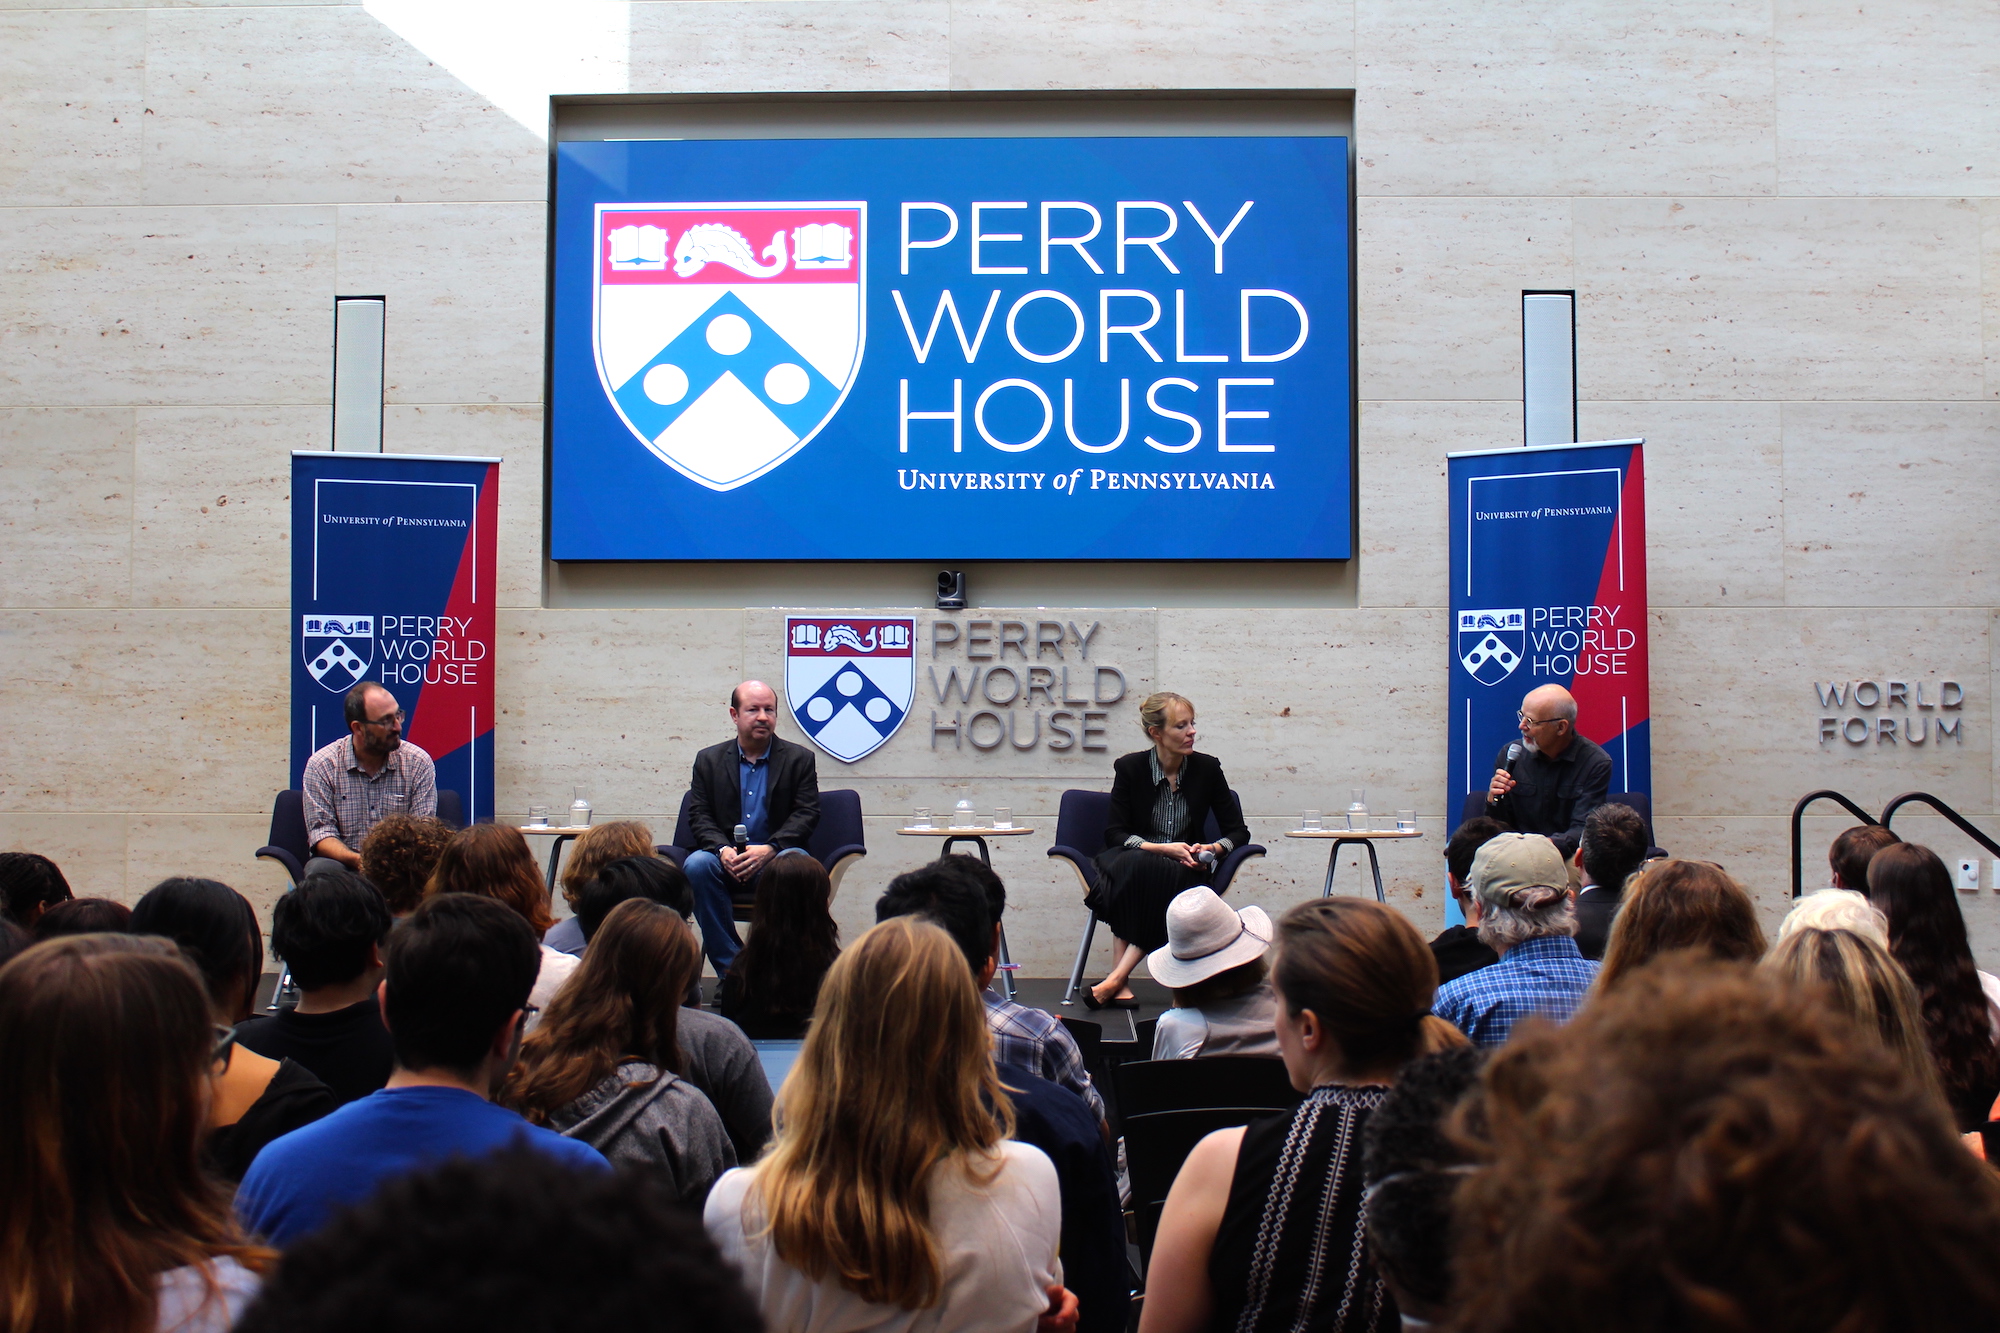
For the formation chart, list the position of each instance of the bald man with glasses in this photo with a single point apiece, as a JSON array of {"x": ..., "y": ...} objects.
[
  {"x": 363, "y": 778},
  {"x": 1558, "y": 776}
]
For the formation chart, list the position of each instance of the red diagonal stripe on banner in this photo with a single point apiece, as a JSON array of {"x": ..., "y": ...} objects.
[
  {"x": 441, "y": 719},
  {"x": 1599, "y": 695}
]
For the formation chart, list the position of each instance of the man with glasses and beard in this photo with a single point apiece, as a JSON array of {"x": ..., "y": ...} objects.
[
  {"x": 1550, "y": 780},
  {"x": 362, "y": 778}
]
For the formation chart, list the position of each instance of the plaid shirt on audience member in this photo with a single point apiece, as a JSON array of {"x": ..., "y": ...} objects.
[
  {"x": 343, "y": 802},
  {"x": 1544, "y": 977},
  {"x": 1037, "y": 1039}
]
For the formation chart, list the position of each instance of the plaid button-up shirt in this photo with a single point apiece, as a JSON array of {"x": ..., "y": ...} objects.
[
  {"x": 343, "y": 802},
  {"x": 1544, "y": 976},
  {"x": 1037, "y": 1040}
]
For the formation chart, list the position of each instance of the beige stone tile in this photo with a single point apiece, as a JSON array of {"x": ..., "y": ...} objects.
[
  {"x": 66, "y": 510},
  {"x": 165, "y": 305},
  {"x": 1589, "y": 98},
  {"x": 1778, "y": 298},
  {"x": 71, "y": 99},
  {"x": 88, "y": 848},
  {"x": 1439, "y": 292},
  {"x": 1870, "y": 518},
  {"x": 204, "y": 846},
  {"x": 1889, "y": 99},
  {"x": 512, "y": 433},
  {"x": 1989, "y": 286},
  {"x": 789, "y": 46},
  {"x": 463, "y": 284},
  {"x": 175, "y": 712},
  {"x": 1405, "y": 548},
  {"x": 1737, "y": 706},
  {"x": 212, "y": 509},
  {"x": 156, "y": 4},
  {"x": 1715, "y": 489},
  {"x": 1134, "y": 44},
  {"x": 319, "y": 104}
]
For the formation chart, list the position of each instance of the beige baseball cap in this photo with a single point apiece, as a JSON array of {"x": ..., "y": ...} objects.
[{"x": 1510, "y": 862}]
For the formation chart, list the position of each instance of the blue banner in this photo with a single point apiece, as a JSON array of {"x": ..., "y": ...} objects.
[
  {"x": 1548, "y": 587},
  {"x": 957, "y": 349},
  {"x": 393, "y": 563}
]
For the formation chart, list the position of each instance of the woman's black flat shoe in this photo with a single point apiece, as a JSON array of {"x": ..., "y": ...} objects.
[{"x": 1090, "y": 1000}]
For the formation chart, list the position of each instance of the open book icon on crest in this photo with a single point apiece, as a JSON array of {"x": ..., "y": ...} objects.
[{"x": 822, "y": 245}]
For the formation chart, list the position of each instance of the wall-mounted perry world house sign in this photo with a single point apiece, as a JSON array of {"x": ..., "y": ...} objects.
[{"x": 977, "y": 348}]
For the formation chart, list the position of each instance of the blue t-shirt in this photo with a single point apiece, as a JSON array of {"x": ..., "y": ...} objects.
[{"x": 300, "y": 1179}]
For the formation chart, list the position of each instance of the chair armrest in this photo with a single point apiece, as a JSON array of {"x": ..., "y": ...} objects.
[
  {"x": 1233, "y": 862},
  {"x": 1086, "y": 865},
  {"x": 285, "y": 859},
  {"x": 842, "y": 859},
  {"x": 842, "y": 852},
  {"x": 678, "y": 855}
]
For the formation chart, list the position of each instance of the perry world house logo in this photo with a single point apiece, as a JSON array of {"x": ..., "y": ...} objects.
[
  {"x": 849, "y": 682},
  {"x": 1490, "y": 643},
  {"x": 337, "y": 649},
  {"x": 727, "y": 335}
]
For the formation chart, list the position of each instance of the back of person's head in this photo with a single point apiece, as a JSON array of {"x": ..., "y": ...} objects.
[
  {"x": 1708, "y": 1147},
  {"x": 1367, "y": 975},
  {"x": 84, "y": 916},
  {"x": 1851, "y": 852},
  {"x": 895, "y": 1076},
  {"x": 622, "y": 1003},
  {"x": 106, "y": 1041},
  {"x": 793, "y": 938},
  {"x": 971, "y": 868},
  {"x": 511, "y": 1243},
  {"x": 493, "y": 861},
  {"x": 1927, "y": 936},
  {"x": 1466, "y": 841},
  {"x": 29, "y": 883},
  {"x": 12, "y": 940},
  {"x": 457, "y": 968},
  {"x": 1613, "y": 846},
  {"x": 1855, "y": 974},
  {"x": 1521, "y": 885},
  {"x": 644, "y": 875},
  {"x": 399, "y": 856},
  {"x": 598, "y": 848},
  {"x": 1412, "y": 1169},
  {"x": 1837, "y": 909},
  {"x": 947, "y": 899},
  {"x": 1681, "y": 905},
  {"x": 324, "y": 928},
  {"x": 216, "y": 928}
]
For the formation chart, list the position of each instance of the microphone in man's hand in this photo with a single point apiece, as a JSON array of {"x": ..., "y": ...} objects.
[
  {"x": 742, "y": 837},
  {"x": 1513, "y": 753}
]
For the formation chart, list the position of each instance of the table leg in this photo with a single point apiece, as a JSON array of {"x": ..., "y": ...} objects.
[
  {"x": 1332, "y": 860},
  {"x": 555, "y": 858},
  {"x": 1376, "y": 867},
  {"x": 978, "y": 842}
]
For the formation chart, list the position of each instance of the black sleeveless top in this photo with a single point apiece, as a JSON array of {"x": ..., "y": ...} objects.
[{"x": 1291, "y": 1252}]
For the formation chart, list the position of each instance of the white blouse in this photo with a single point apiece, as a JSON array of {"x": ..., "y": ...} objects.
[{"x": 997, "y": 1240}]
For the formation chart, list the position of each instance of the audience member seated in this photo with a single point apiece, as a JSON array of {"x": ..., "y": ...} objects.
[
  {"x": 1412, "y": 1168},
  {"x": 1049, "y": 1116},
  {"x": 1263, "y": 1227},
  {"x": 112, "y": 1224},
  {"x": 83, "y": 916},
  {"x": 366, "y": 776},
  {"x": 647, "y": 876},
  {"x": 892, "y": 1198},
  {"x": 596, "y": 849},
  {"x": 1458, "y": 949},
  {"x": 604, "y": 1065},
  {"x": 1847, "y": 859},
  {"x": 256, "y": 1098},
  {"x": 493, "y": 861},
  {"x": 1030, "y": 1038},
  {"x": 1213, "y": 963},
  {"x": 1681, "y": 905},
  {"x": 721, "y": 1062},
  {"x": 29, "y": 885},
  {"x": 1708, "y": 1148},
  {"x": 511, "y": 1244},
  {"x": 12, "y": 940},
  {"x": 1611, "y": 852},
  {"x": 455, "y": 998},
  {"x": 1837, "y": 909},
  {"x": 1520, "y": 905},
  {"x": 329, "y": 931},
  {"x": 1927, "y": 936},
  {"x": 399, "y": 855},
  {"x": 774, "y": 980},
  {"x": 1857, "y": 974}
]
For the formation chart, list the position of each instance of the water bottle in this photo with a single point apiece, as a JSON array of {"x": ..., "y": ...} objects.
[
  {"x": 961, "y": 814},
  {"x": 579, "y": 809},
  {"x": 1357, "y": 810}
]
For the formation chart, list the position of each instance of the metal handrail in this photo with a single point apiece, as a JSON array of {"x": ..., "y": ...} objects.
[
  {"x": 1965, "y": 826},
  {"x": 1798, "y": 828}
]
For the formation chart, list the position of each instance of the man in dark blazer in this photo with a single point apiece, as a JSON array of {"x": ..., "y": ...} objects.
[{"x": 770, "y": 787}]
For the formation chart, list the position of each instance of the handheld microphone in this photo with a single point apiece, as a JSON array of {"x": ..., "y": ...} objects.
[
  {"x": 741, "y": 837},
  {"x": 1513, "y": 752},
  {"x": 1205, "y": 856}
]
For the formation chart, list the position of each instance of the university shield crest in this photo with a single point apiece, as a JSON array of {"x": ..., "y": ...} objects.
[
  {"x": 849, "y": 682},
  {"x": 1490, "y": 643},
  {"x": 337, "y": 649},
  {"x": 727, "y": 335}
]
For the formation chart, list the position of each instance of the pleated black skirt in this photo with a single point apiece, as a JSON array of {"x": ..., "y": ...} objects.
[{"x": 1133, "y": 890}]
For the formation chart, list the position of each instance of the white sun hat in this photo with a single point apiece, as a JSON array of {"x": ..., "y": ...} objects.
[{"x": 1205, "y": 936}]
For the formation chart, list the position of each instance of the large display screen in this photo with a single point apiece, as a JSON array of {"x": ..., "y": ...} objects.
[{"x": 951, "y": 349}]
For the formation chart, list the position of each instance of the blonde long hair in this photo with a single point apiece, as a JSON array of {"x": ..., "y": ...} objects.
[
  {"x": 1865, "y": 982},
  {"x": 896, "y": 1075}
]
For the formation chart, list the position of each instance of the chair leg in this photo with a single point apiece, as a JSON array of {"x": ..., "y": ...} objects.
[
  {"x": 1006, "y": 967},
  {"x": 1082, "y": 956}
]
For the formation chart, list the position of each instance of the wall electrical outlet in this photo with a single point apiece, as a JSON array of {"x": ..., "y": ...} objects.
[{"x": 1968, "y": 874}]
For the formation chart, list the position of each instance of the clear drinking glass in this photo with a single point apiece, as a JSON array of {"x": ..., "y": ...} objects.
[
  {"x": 1309, "y": 822},
  {"x": 538, "y": 816},
  {"x": 961, "y": 814},
  {"x": 1406, "y": 821},
  {"x": 922, "y": 818},
  {"x": 579, "y": 807},
  {"x": 1357, "y": 810},
  {"x": 1003, "y": 816}
]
